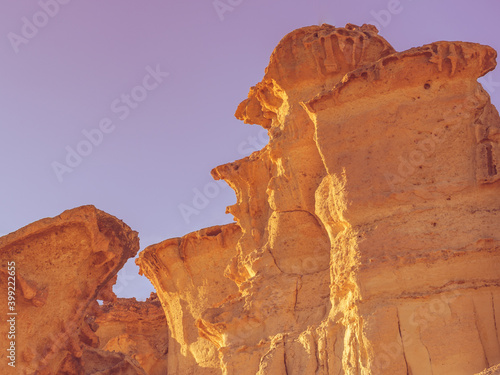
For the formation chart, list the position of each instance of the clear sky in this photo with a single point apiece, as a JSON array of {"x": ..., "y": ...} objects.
[{"x": 128, "y": 105}]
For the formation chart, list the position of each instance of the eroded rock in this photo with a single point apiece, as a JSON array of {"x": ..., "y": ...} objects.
[
  {"x": 188, "y": 274},
  {"x": 367, "y": 236},
  {"x": 135, "y": 329},
  {"x": 61, "y": 266}
]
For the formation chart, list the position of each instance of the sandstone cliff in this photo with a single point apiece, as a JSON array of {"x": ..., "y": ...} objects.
[
  {"x": 366, "y": 238},
  {"x": 63, "y": 265},
  {"x": 367, "y": 231},
  {"x": 188, "y": 273}
]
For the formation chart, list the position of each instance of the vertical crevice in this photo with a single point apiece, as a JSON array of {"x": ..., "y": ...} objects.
[
  {"x": 284, "y": 357},
  {"x": 316, "y": 353},
  {"x": 494, "y": 315},
  {"x": 492, "y": 168},
  {"x": 480, "y": 336},
  {"x": 323, "y": 60},
  {"x": 408, "y": 372},
  {"x": 296, "y": 293},
  {"x": 428, "y": 355}
]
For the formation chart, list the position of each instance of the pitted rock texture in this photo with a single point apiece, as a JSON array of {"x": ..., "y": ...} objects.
[
  {"x": 367, "y": 231},
  {"x": 63, "y": 265},
  {"x": 495, "y": 370},
  {"x": 136, "y": 329}
]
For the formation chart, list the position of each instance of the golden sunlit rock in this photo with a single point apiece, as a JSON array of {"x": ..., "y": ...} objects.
[{"x": 366, "y": 237}]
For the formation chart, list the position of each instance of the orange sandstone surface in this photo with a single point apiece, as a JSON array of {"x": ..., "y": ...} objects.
[
  {"x": 366, "y": 236},
  {"x": 136, "y": 329},
  {"x": 63, "y": 265},
  {"x": 367, "y": 230}
]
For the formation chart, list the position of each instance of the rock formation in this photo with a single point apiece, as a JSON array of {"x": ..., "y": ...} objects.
[
  {"x": 188, "y": 273},
  {"x": 63, "y": 265},
  {"x": 367, "y": 231},
  {"x": 366, "y": 238},
  {"x": 136, "y": 329}
]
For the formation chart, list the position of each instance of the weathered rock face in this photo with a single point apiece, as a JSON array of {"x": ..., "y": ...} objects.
[
  {"x": 135, "y": 329},
  {"x": 188, "y": 274},
  {"x": 62, "y": 266},
  {"x": 367, "y": 234},
  {"x": 366, "y": 242}
]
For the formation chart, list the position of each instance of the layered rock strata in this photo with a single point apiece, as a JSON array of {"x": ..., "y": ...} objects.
[{"x": 367, "y": 231}]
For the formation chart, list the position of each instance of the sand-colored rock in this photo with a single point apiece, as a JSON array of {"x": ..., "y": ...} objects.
[
  {"x": 188, "y": 274},
  {"x": 136, "y": 329},
  {"x": 62, "y": 265},
  {"x": 495, "y": 370},
  {"x": 366, "y": 238},
  {"x": 367, "y": 234}
]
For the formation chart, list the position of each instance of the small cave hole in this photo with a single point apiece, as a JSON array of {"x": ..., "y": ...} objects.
[
  {"x": 212, "y": 232},
  {"x": 427, "y": 86}
]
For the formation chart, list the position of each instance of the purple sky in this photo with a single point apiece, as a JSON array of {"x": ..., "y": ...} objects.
[{"x": 67, "y": 76}]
